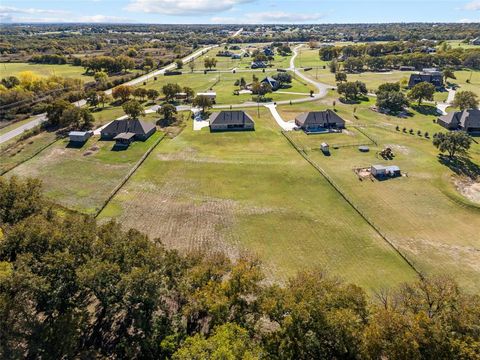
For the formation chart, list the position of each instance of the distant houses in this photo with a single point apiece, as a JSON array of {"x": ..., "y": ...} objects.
[
  {"x": 258, "y": 65},
  {"x": 128, "y": 130},
  {"x": 432, "y": 76},
  {"x": 475, "y": 41},
  {"x": 274, "y": 84},
  {"x": 317, "y": 121},
  {"x": 79, "y": 137},
  {"x": 466, "y": 120},
  {"x": 231, "y": 121},
  {"x": 212, "y": 95}
]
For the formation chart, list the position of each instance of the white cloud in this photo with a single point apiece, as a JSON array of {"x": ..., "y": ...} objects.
[
  {"x": 14, "y": 10},
  {"x": 276, "y": 17},
  {"x": 473, "y": 5},
  {"x": 468, "y": 21},
  {"x": 184, "y": 7},
  {"x": 101, "y": 19}
]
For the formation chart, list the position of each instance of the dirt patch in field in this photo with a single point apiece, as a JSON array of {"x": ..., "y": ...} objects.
[
  {"x": 400, "y": 149},
  {"x": 178, "y": 217},
  {"x": 468, "y": 188},
  {"x": 91, "y": 151},
  {"x": 456, "y": 255}
]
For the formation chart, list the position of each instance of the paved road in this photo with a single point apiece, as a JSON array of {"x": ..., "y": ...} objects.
[{"x": 42, "y": 117}]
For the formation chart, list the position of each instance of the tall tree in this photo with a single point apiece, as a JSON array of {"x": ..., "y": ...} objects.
[
  {"x": 133, "y": 109},
  {"x": 422, "y": 91},
  {"x": 466, "y": 100},
  {"x": 453, "y": 143}
]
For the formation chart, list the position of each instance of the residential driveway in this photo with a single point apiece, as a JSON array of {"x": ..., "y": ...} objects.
[
  {"x": 198, "y": 122},
  {"x": 287, "y": 126},
  {"x": 442, "y": 107},
  {"x": 42, "y": 117}
]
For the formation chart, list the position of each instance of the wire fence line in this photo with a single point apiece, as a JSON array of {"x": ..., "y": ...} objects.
[
  {"x": 347, "y": 198},
  {"x": 128, "y": 176}
]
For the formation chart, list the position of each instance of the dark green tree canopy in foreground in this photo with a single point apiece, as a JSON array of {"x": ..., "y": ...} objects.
[{"x": 71, "y": 289}]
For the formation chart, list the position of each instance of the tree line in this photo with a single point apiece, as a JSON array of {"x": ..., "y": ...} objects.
[{"x": 70, "y": 288}]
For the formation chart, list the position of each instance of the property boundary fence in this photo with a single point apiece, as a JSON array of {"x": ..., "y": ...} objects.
[
  {"x": 128, "y": 176},
  {"x": 31, "y": 156},
  {"x": 350, "y": 202}
]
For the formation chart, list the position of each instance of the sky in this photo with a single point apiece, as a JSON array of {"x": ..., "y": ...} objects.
[{"x": 239, "y": 11}]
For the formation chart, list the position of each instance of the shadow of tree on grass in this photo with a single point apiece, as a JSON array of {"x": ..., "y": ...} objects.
[
  {"x": 425, "y": 109},
  {"x": 461, "y": 166}
]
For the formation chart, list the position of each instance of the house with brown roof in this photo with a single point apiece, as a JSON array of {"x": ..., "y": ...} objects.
[
  {"x": 127, "y": 130},
  {"x": 231, "y": 120},
  {"x": 466, "y": 120},
  {"x": 316, "y": 121}
]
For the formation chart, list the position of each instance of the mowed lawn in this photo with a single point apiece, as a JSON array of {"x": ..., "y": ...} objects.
[
  {"x": 224, "y": 85},
  {"x": 68, "y": 71},
  {"x": 423, "y": 213},
  {"x": 83, "y": 178},
  {"x": 252, "y": 191}
]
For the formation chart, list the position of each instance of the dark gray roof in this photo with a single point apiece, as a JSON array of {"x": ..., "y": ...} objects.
[
  {"x": 137, "y": 127},
  {"x": 319, "y": 118},
  {"x": 124, "y": 136},
  {"x": 236, "y": 117},
  {"x": 435, "y": 79},
  {"x": 463, "y": 119}
]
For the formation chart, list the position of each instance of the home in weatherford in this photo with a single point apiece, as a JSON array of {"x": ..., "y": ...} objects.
[
  {"x": 231, "y": 120},
  {"x": 128, "y": 130},
  {"x": 466, "y": 120},
  {"x": 319, "y": 121},
  {"x": 432, "y": 76},
  {"x": 274, "y": 84}
]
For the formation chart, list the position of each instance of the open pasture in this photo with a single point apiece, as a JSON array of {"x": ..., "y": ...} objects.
[
  {"x": 252, "y": 191},
  {"x": 68, "y": 71}
]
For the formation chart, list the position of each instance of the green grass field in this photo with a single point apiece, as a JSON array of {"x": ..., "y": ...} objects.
[
  {"x": 423, "y": 214},
  {"x": 8, "y": 69},
  {"x": 252, "y": 191},
  {"x": 81, "y": 179},
  {"x": 223, "y": 84}
]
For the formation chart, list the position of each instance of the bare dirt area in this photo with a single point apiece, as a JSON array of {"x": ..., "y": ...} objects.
[{"x": 468, "y": 188}]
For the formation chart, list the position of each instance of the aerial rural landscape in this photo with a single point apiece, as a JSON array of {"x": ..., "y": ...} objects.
[{"x": 209, "y": 181}]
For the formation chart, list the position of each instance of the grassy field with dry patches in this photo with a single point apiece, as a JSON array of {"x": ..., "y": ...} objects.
[
  {"x": 251, "y": 191},
  {"x": 82, "y": 178},
  {"x": 424, "y": 214}
]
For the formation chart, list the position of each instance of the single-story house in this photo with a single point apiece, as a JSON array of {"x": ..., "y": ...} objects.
[
  {"x": 407, "y": 68},
  {"x": 475, "y": 41},
  {"x": 432, "y": 76},
  {"x": 79, "y": 136},
  {"x": 274, "y": 84},
  {"x": 466, "y": 120},
  {"x": 268, "y": 52},
  {"x": 258, "y": 65},
  {"x": 381, "y": 171},
  {"x": 212, "y": 95},
  {"x": 141, "y": 130},
  {"x": 319, "y": 120},
  {"x": 231, "y": 120}
]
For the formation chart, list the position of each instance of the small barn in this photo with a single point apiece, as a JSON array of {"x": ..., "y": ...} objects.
[
  {"x": 141, "y": 130},
  {"x": 318, "y": 121},
  {"x": 79, "y": 136},
  {"x": 380, "y": 171},
  {"x": 212, "y": 95},
  {"x": 231, "y": 121}
]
